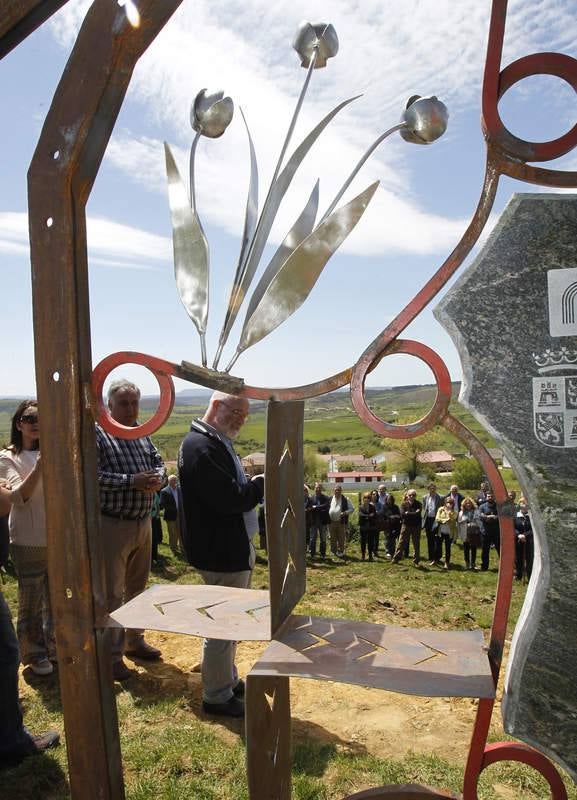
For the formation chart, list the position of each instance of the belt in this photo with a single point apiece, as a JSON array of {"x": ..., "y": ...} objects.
[{"x": 120, "y": 515}]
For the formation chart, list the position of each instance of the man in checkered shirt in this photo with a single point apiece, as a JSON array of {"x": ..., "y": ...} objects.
[{"x": 130, "y": 471}]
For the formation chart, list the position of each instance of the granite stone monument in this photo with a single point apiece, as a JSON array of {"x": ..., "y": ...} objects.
[{"x": 513, "y": 318}]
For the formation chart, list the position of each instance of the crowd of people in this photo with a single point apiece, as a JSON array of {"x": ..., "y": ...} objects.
[
  {"x": 473, "y": 523},
  {"x": 211, "y": 512}
]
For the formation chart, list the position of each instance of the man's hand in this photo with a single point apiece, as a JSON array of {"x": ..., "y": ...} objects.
[{"x": 148, "y": 481}]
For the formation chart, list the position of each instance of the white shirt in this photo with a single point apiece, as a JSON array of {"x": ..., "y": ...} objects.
[{"x": 27, "y": 522}]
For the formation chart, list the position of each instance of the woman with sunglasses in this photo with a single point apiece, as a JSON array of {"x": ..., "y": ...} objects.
[{"x": 20, "y": 466}]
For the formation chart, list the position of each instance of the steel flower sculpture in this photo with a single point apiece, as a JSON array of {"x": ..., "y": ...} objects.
[{"x": 297, "y": 264}]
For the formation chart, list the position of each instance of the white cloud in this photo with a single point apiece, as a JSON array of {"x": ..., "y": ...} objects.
[
  {"x": 109, "y": 243},
  {"x": 388, "y": 51}
]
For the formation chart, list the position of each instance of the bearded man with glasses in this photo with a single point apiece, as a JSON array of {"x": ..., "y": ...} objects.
[{"x": 220, "y": 520}]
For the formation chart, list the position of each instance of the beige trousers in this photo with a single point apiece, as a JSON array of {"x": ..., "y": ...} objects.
[{"x": 126, "y": 547}]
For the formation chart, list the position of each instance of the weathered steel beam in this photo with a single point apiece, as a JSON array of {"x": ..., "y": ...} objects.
[
  {"x": 73, "y": 141},
  {"x": 20, "y": 18}
]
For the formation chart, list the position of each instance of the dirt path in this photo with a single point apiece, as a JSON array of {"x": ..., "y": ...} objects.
[{"x": 353, "y": 717}]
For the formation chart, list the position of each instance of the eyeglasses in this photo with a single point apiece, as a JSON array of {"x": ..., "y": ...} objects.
[
  {"x": 235, "y": 412},
  {"x": 30, "y": 419}
]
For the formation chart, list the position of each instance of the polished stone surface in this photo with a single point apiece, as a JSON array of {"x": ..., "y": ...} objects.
[{"x": 513, "y": 318}]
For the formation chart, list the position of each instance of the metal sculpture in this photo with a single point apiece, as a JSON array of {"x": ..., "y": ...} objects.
[{"x": 66, "y": 161}]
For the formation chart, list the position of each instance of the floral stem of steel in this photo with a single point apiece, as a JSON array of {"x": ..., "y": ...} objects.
[
  {"x": 355, "y": 171},
  {"x": 237, "y": 294},
  {"x": 191, "y": 171}
]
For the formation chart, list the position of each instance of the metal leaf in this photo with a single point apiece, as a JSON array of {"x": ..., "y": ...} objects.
[
  {"x": 251, "y": 212},
  {"x": 268, "y": 214},
  {"x": 296, "y": 278},
  {"x": 299, "y": 231},
  {"x": 191, "y": 254},
  {"x": 250, "y": 219}
]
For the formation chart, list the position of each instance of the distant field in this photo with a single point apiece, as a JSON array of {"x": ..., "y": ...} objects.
[{"x": 330, "y": 421}]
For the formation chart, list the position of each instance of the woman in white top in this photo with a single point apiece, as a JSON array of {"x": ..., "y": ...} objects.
[{"x": 20, "y": 466}]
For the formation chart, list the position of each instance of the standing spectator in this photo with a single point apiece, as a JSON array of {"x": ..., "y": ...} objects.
[
  {"x": 339, "y": 511},
  {"x": 432, "y": 502},
  {"x": 308, "y": 514},
  {"x": 490, "y": 530},
  {"x": 16, "y": 743},
  {"x": 392, "y": 525},
  {"x": 130, "y": 471},
  {"x": 320, "y": 520},
  {"x": 219, "y": 504},
  {"x": 156, "y": 527},
  {"x": 447, "y": 522},
  {"x": 468, "y": 524},
  {"x": 20, "y": 465},
  {"x": 261, "y": 517},
  {"x": 524, "y": 544},
  {"x": 512, "y": 495},
  {"x": 484, "y": 491},
  {"x": 367, "y": 525},
  {"x": 410, "y": 527},
  {"x": 456, "y": 497},
  {"x": 379, "y": 502},
  {"x": 169, "y": 501}
]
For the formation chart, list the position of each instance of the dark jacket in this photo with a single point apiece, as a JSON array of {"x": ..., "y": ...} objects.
[
  {"x": 411, "y": 514},
  {"x": 458, "y": 499},
  {"x": 320, "y": 509},
  {"x": 392, "y": 519},
  {"x": 214, "y": 535},
  {"x": 488, "y": 514},
  {"x": 367, "y": 517},
  {"x": 168, "y": 504}
]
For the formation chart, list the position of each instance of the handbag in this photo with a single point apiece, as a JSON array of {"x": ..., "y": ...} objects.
[{"x": 473, "y": 534}]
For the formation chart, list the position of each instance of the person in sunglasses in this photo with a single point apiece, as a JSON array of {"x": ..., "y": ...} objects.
[{"x": 20, "y": 465}]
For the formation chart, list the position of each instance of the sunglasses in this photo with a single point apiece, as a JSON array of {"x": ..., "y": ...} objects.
[{"x": 30, "y": 419}]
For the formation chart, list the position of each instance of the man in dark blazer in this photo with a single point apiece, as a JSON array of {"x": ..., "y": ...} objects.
[
  {"x": 169, "y": 503},
  {"x": 431, "y": 504},
  {"x": 220, "y": 520}
]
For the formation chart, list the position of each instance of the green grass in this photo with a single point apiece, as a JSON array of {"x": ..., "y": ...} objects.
[{"x": 172, "y": 752}]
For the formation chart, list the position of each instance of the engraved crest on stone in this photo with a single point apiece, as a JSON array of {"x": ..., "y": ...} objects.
[
  {"x": 555, "y": 404},
  {"x": 562, "y": 289}
]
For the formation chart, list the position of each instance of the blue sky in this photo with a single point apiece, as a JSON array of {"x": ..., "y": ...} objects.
[{"x": 388, "y": 51}]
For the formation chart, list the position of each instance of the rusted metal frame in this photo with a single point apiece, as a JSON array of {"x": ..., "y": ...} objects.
[
  {"x": 410, "y": 791},
  {"x": 497, "y": 82},
  {"x": 62, "y": 171},
  {"x": 374, "y": 352},
  {"x": 20, "y": 18},
  {"x": 268, "y": 737},
  {"x": 284, "y": 509}
]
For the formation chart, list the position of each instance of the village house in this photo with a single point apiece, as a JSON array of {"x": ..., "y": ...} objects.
[
  {"x": 438, "y": 460},
  {"x": 253, "y": 464}
]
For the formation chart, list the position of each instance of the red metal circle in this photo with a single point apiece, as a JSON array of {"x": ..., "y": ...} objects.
[
  {"x": 557, "y": 64},
  {"x": 158, "y": 368},
  {"x": 516, "y": 751},
  {"x": 440, "y": 406}
]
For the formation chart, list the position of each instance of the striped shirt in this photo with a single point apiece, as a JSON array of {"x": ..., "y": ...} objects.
[{"x": 118, "y": 461}]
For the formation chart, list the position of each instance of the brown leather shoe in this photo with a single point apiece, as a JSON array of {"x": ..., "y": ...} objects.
[
  {"x": 120, "y": 672},
  {"x": 144, "y": 651}
]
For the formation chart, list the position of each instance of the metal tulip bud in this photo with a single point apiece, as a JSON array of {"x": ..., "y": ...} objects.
[
  {"x": 211, "y": 113},
  {"x": 425, "y": 120},
  {"x": 320, "y": 36}
]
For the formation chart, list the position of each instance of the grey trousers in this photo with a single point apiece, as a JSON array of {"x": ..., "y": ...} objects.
[{"x": 219, "y": 673}]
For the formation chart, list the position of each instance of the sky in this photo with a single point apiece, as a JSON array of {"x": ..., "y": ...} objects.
[{"x": 388, "y": 51}]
